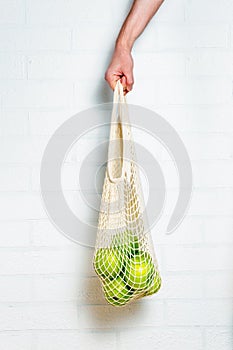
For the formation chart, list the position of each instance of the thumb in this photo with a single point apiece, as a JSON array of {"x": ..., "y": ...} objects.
[
  {"x": 129, "y": 80},
  {"x": 123, "y": 82}
]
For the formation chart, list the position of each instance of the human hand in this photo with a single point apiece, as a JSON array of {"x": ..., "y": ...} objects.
[{"x": 121, "y": 67}]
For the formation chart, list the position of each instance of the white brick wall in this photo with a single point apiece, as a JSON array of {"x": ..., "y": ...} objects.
[
  {"x": 12, "y": 11},
  {"x": 34, "y": 38},
  {"x": 53, "y": 54},
  {"x": 162, "y": 339}
]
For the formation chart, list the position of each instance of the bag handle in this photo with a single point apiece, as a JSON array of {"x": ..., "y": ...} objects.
[{"x": 115, "y": 165}]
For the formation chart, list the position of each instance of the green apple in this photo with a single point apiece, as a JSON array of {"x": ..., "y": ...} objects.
[
  {"x": 116, "y": 292},
  {"x": 108, "y": 262},
  {"x": 134, "y": 245},
  {"x": 139, "y": 271},
  {"x": 117, "y": 302},
  {"x": 127, "y": 242},
  {"x": 120, "y": 241},
  {"x": 156, "y": 284}
]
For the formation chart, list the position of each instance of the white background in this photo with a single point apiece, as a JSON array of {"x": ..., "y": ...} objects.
[{"x": 53, "y": 54}]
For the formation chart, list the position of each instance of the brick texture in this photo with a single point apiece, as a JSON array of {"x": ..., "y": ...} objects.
[{"x": 53, "y": 55}]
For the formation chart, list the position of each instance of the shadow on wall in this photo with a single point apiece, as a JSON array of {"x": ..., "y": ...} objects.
[
  {"x": 93, "y": 311},
  {"x": 102, "y": 92},
  {"x": 96, "y": 313}
]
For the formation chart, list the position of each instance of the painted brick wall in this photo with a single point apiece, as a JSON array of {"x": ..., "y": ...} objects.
[{"x": 53, "y": 54}]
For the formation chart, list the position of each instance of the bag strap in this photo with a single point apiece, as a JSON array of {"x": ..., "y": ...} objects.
[{"x": 115, "y": 165}]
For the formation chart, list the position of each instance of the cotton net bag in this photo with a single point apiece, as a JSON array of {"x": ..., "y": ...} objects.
[{"x": 124, "y": 257}]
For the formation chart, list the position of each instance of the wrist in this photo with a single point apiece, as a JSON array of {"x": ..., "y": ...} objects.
[{"x": 123, "y": 46}]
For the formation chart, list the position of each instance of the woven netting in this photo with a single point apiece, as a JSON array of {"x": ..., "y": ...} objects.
[{"x": 124, "y": 257}]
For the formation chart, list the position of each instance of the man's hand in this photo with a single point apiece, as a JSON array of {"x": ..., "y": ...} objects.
[{"x": 121, "y": 67}]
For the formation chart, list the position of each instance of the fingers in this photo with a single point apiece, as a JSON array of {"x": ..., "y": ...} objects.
[
  {"x": 124, "y": 84},
  {"x": 111, "y": 79},
  {"x": 121, "y": 67},
  {"x": 127, "y": 82},
  {"x": 126, "y": 79}
]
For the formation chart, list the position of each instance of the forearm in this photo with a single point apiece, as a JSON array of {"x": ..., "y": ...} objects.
[
  {"x": 121, "y": 65},
  {"x": 139, "y": 16}
]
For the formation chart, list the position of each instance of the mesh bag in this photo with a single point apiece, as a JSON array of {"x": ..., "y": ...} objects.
[{"x": 124, "y": 257}]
